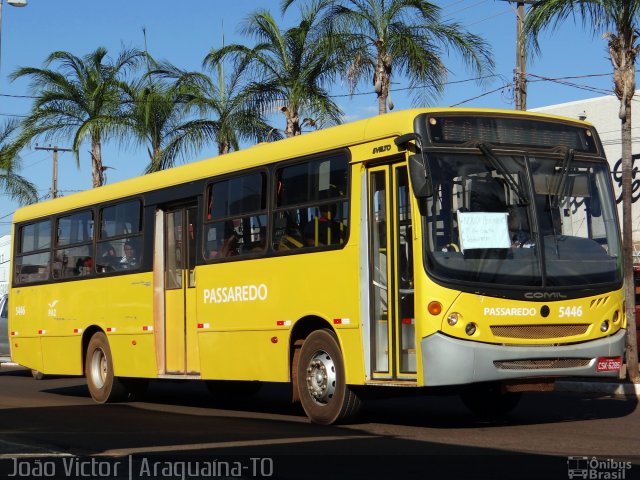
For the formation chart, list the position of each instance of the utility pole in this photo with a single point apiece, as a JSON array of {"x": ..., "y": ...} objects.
[
  {"x": 55, "y": 150},
  {"x": 520, "y": 76}
]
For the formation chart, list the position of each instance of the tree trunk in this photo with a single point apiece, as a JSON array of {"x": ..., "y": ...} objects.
[
  {"x": 223, "y": 148},
  {"x": 97, "y": 172},
  {"x": 382, "y": 83},
  {"x": 293, "y": 123},
  {"x": 627, "y": 241},
  {"x": 622, "y": 54}
]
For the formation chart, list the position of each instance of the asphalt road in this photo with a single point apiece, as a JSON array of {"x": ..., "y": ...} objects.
[{"x": 52, "y": 428}]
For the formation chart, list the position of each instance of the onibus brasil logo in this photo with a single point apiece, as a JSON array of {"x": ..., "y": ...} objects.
[{"x": 593, "y": 468}]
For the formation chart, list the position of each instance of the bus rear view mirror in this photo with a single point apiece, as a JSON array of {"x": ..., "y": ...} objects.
[{"x": 420, "y": 178}]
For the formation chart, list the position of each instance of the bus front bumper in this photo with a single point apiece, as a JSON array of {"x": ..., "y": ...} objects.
[{"x": 451, "y": 361}]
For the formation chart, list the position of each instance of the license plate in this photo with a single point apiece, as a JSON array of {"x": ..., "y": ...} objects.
[{"x": 609, "y": 364}]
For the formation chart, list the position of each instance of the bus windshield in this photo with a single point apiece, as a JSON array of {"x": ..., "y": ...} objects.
[{"x": 521, "y": 219}]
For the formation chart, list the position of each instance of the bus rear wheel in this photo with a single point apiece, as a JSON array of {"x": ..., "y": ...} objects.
[
  {"x": 103, "y": 385},
  {"x": 325, "y": 397}
]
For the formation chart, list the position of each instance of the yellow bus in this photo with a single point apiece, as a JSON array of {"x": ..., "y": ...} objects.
[{"x": 463, "y": 248}]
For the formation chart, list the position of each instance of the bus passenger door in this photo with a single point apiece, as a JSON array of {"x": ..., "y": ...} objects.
[
  {"x": 180, "y": 233},
  {"x": 391, "y": 323}
]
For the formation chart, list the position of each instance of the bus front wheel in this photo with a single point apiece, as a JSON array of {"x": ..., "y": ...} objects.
[
  {"x": 103, "y": 385},
  {"x": 324, "y": 394}
]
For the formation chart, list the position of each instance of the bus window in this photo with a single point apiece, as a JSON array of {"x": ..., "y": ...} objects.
[
  {"x": 74, "y": 245},
  {"x": 120, "y": 241},
  {"x": 312, "y": 208},
  {"x": 236, "y": 217},
  {"x": 32, "y": 261}
]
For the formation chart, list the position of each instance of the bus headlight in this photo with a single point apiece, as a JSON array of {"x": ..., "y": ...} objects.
[
  {"x": 453, "y": 318},
  {"x": 616, "y": 317},
  {"x": 604, "y": 326},
  {"x": 470, "y": 328}
]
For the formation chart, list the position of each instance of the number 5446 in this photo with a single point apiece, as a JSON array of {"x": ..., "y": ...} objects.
[{"x": 570, "y": 311}]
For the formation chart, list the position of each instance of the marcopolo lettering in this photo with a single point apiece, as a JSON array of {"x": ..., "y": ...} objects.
[
  {"x": 236, "y": 293},
  {"x": 381, "y": 149}
]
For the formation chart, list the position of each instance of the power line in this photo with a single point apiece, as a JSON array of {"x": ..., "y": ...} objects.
[
  {"x": 483, "y": 95},
  {"x": 489, "y": 18},
  {"x": 572, "y": 84}
]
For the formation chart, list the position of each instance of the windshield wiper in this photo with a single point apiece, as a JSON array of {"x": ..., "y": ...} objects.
[
  {"x": 499, "y": 166},
  {"x": 561, "y": 186}
]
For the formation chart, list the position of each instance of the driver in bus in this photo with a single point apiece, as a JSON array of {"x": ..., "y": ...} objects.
[{"x": 518, "y": 228}]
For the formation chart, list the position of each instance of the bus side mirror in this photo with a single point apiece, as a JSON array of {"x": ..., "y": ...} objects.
[{"x": 420, "y": 178}]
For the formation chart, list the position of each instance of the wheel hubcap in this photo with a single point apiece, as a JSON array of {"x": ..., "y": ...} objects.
[
  {"x": 321, "y": 378},
  {"x": 99, "y": 368}
]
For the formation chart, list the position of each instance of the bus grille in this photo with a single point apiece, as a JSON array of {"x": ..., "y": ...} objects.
[
  {"x": 533, "y": 332},
  {"x": 541, "y": 363}
]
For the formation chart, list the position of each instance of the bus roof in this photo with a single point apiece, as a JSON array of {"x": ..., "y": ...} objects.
[{"x": 354, "y": 133}]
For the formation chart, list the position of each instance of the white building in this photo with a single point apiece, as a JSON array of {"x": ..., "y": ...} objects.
[
  {"x": 602, "y": 112},
  {"x": 5, "y": 256}
]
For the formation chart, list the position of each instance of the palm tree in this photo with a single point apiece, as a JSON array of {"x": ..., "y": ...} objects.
[
  {"x": 159, "y": 117},
  {"x": 15, "y": 186},
  {"x": 407, "y": 36},
  {"x": 290, "y": 68},
  {"x": 176, "y": 113},
  {"x": 619, "y": 22},
  {"x": 232, "y": 104},
  {"x": 79, "y": 99}
]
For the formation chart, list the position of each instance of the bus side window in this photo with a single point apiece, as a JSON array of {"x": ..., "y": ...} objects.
[
  {"x": 312, "y": 204},
  {"x": 236, "y": 220},
  {"x": 32, "y": 263}
]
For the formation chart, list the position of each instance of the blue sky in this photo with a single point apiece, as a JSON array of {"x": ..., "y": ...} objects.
[{"x": 183, "y": 31}]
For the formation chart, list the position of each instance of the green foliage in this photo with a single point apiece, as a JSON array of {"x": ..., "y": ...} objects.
[
  {"x": 376, "y": 38},
  {"x": 289, "y": 70},
  {"x": 80, "y": 98},
  {"x": 15, "y": 186}
]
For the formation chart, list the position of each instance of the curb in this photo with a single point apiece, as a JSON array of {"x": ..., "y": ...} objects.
[{"x": 622, "y": 389}]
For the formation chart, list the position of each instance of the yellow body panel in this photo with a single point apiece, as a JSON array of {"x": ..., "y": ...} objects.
[
  {"x": 243, "y": 355},
  {"x": 133, "y": 355},
  {"x": 265, "y": 300},
  {"x": 61, "y": 313},
  {"x": 27, "y": 351}
]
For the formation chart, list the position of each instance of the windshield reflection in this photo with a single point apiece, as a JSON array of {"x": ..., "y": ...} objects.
[{"x": 543, "y": 221}]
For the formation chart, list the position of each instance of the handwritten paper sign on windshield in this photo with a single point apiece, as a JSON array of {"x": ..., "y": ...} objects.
[{"x": 483, "y": 230}]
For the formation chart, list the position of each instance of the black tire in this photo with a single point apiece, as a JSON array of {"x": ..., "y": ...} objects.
[
  {"x": 489, "y": 401},
  {"x": 325, "y": 397},
  {"x": 103, "y": 385}
]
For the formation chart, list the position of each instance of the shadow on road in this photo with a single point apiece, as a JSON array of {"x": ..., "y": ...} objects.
[
  {"x": 418, "y": 410},
  {"x": 181, "y": 421}
]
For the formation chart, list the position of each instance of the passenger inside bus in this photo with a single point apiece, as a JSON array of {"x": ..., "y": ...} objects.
[
  {"x": 231, "y": 241},
  {"x": 130, "y": 258},
  {"x": 519, "y": 232},
  {"x": 108, "y": 259}
]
